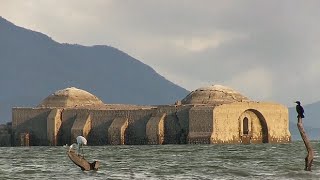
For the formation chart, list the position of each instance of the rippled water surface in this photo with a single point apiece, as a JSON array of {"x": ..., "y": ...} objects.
[{"x": 265, "y": 161}]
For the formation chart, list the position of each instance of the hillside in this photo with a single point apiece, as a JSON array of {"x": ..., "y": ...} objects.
[{"x": 32, "y": 66}]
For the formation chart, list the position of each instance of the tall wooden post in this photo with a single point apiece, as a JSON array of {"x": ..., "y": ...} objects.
[{"x": 309, "y": 158}]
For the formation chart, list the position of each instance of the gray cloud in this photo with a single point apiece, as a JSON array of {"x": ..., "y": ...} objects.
[{"x": 267, "y": 50}]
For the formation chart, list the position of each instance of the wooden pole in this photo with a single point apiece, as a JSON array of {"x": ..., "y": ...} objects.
[
  {"x": 309, "y": 158},
  {"x": 81, "y": 162}
]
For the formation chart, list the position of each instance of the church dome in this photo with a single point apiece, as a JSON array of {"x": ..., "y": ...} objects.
[
  {"x": 71, "y": 97},
  {"x": 214, "y": 95}
]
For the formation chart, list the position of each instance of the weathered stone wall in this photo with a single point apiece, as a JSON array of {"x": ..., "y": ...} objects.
[
  {"x": 100, "y": 122},
  {"x": 5, "y": 139},
  {"x": 32, "y": 121},
  {"x": 155, "y": 129},
  {"x": 5, "y": 135},
  {"x": 200, "y": 124},
  {"x": 68, "y": 117},
  {"x": 267, "y": 122},
  {"x": 54, "y": 122},
  {"x": 255, "y": 128},
  {"x": 227, "y": 122},
  {"x": 176, "y": 123},
  {"x": 63, "y": 125},
  {"x": 81, "y": 126},
  {"x": 183, "y": 117},
  {"x": 117, "y": 130},
  {"x": 135, "y": 133},
  {"x": 172, "y": 129}
]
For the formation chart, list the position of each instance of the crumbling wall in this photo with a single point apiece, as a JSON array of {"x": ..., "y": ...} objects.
[
  {"x": 277, "y": 119},
  {"x": 81, "y": 126},
  {"x": 54, "y": 122},
  {"x": 32, "y": 121},
  {"x": 227, "y": 122},
  {"x": 183, "y": 117},
  {"x": 176, "y": 123},
  {"x": 155, "y": 129},
  {"x": 5, "y": 139},
  {"x": 137, "y": 121},
  {"x": 100, "y": 123},
  {"x": 5, "y": 134},
  {"x": 135, "y": 134},
  {"x": 256, "y": 130},
  {"x": 200, "y": 124},
  {"x": 172, "y": 129},
  {"x": 68, "y": 118},
  {"x": 117, "y": 130}
]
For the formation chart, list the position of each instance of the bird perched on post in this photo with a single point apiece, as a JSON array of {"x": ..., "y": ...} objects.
[
  {"x": 80, "y": 142},
  {"x": 299, "y": 110}
]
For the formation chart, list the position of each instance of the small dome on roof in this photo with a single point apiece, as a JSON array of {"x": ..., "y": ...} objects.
[
  {"x": 215, "y": 95},
  {"x": 71, "y": 97}
]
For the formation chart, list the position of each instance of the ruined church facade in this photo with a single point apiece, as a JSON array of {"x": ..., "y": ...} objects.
[{"x": 209, "y": 115}]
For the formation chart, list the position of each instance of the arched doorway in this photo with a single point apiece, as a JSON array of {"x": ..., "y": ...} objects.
[
  {"x": 253, "y": 127},
  {"x": 245, "y": 126},
  {"x": 246, "y": 131}
]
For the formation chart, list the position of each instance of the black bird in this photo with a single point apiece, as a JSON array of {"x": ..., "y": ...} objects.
[{"x": 299, "y": 109}]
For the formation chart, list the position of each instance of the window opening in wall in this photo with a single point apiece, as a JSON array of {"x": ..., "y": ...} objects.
[{"x": 245, "y": 126}]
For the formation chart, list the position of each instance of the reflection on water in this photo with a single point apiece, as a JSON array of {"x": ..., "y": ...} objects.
[{"x": 265, "y": 161}]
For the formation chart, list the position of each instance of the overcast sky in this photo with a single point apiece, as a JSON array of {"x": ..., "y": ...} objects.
[{"x": 267, "y": 50}]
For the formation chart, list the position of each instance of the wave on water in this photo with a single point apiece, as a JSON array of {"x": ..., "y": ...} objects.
[{"x": 262, "y": 161}]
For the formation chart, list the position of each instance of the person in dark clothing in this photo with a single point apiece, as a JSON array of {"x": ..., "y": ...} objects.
[{"x": 299, "y": 109}]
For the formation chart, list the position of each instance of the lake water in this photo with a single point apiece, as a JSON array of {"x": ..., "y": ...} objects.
[{"x": 264, "y": 161}]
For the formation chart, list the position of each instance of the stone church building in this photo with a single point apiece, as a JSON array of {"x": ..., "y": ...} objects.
[{"x": 214, "y": 114}]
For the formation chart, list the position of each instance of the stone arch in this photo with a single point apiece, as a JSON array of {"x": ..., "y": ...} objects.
[
  {"x": 264, "y": 125},
  {"x": 257, "y": 127}
]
